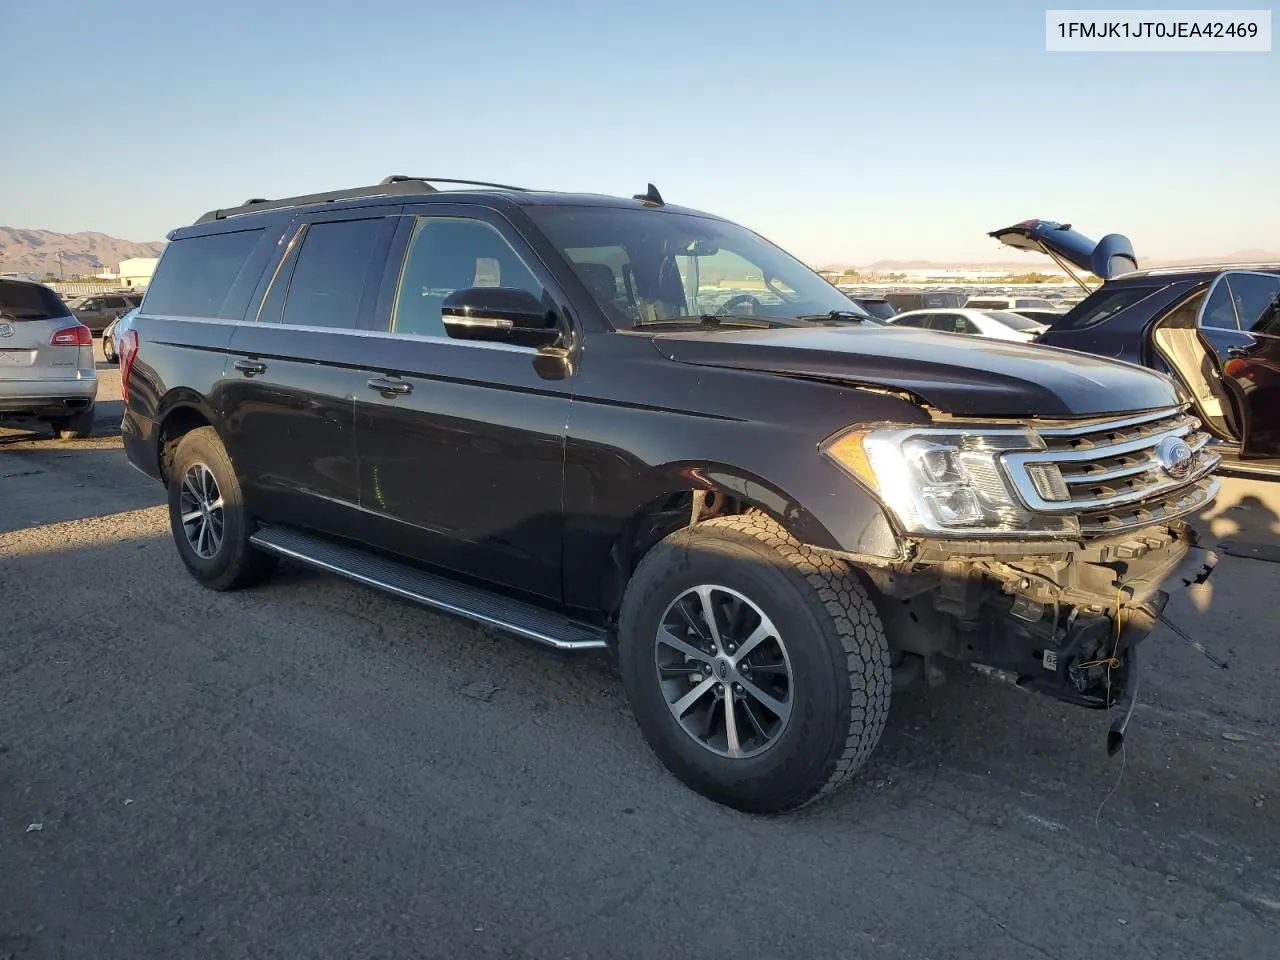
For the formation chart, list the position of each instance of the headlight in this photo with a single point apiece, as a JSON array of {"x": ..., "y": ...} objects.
[{"x": 946, "y": 482}]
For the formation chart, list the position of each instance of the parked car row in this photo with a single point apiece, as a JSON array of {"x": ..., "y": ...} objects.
[
  {"x": 519, "y": 407},
  {"x": 98, "y": 311}
]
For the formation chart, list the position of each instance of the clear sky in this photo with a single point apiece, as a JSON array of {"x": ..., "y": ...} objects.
[{"x": 846, "y": 132}]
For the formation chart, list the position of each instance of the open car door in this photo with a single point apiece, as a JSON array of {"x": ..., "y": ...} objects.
[
  {"x": 1241, "y": 317},
  {"x": 1224, "y": 345}
]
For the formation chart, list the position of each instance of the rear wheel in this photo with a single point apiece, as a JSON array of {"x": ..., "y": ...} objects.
[
  {"x": 76, "y": 427},
  {"x": 757, "y": 669},
  {"x": 207, "y": 515}
]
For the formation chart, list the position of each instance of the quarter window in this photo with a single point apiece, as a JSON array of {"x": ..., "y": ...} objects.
[
  {"x": 195, "y": 275},
  {"x": 453, "y": 253},
  {"x": 329, "y": 275}
]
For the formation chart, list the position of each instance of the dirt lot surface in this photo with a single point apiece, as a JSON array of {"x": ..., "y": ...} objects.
[{"x": 310, "y": 769}]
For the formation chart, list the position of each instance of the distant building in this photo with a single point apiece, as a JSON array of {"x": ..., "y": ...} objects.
[{"x": 137, "y": 271}]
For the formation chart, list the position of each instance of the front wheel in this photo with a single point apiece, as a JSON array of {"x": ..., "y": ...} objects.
[
  {"x": 757, "y": 669},
  {"x": 109, "y": 350},
  {"x": 207, "y": 515}
]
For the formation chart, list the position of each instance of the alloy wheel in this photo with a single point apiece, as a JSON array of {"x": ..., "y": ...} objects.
[
  {"x": 201, "y": 509},
  {"x": 724, "y": 671}
]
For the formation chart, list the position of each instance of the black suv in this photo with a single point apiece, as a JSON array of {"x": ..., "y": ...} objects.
[{"x": 599, "y": 422}]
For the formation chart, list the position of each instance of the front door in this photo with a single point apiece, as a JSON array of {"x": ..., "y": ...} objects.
[
  {"x": 290, "y": 393},
  {"x": 461, "y": 443}
]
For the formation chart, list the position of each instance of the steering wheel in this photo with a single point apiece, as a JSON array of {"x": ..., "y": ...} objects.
[{"x": 732, "y": 302}]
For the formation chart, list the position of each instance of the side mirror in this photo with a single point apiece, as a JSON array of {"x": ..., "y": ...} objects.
[{"x": 504, "y": 314}]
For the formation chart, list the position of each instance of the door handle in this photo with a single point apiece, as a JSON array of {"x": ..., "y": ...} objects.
[
  {"x": 250, "y": 367},
  {"x": 390, "y": 387}
]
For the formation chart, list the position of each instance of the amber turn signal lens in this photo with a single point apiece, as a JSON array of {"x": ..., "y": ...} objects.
[{"x": 848, "y": 451}]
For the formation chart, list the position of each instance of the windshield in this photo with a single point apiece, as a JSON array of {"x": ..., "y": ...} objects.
[
  {"x": 1013, "y": 321},
  {"x": 30, "y": 301},
  {"x": 651, "y": 265}
]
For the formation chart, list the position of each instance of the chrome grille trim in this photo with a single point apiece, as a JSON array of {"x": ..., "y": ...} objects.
[
  {"x": 1106, "y": 467},
  {"x": 1161, "y": 510},
  {"x": 1101, "y": 426}
]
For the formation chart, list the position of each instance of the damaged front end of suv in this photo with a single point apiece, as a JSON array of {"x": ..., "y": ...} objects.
[{"x": 1046, "y": 550}]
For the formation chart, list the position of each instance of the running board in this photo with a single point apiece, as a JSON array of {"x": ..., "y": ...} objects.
[{"x": 431, "y": 590}]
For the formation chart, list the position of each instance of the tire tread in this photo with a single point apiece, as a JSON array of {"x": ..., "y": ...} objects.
[{"x": 857, "y": 624}]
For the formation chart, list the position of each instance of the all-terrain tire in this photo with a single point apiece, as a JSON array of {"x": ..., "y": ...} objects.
[
  {"x": 236, "y": 563},
  {"x": 839, "y": 657}
]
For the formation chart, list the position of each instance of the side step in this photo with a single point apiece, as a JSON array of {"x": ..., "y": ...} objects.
[{"x": 472, "y": 603}]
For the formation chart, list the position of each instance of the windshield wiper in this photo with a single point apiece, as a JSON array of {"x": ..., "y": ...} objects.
[
  {"x": 712, "y": 320},
  {"x": 838, "y": 315}
]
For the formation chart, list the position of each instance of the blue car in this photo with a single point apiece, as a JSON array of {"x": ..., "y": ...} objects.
[
  {"x": 111, "y": 335},
  {"x": 1214, "y": 328}
]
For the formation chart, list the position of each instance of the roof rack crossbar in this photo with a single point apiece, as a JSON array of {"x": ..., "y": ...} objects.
[{"x": 389, "y": 187}]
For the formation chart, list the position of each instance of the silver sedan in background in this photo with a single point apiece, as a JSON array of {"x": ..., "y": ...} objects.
[{"x": 47, "y": 371}]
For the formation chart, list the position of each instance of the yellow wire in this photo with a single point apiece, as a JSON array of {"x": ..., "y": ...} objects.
[{"x": 1112, "y": 661}]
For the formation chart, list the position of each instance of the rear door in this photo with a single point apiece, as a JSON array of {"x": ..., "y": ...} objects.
[
  {"x": 462, "y": 442},
  {"x": 291, "y": 381},
  {"x": 30, "y": 314},
  {"x": 1240, "y": 318}
]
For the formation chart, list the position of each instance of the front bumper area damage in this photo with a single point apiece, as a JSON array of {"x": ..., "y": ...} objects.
[{"x": 1067, "y": 624}]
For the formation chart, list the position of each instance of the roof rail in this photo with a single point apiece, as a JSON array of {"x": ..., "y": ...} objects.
[
  {"x": 1212, "y": 265},
  {"x": 388, "y": 188},
  {"x": 397, "y": 178},
  {"x": 392, "y": 186}
]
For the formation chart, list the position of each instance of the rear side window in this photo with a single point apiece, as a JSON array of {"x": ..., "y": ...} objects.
[
  {"x": 195, "y": 275},
  {"x": 1104, "y": 303},
  {"x": 329, "y": 276},
  {"x": 30, "y": 301}
]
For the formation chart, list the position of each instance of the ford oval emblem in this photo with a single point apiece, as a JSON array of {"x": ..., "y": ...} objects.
[
  {"x": 1175, "y": 456},
  {"x": 6, "y": 329}
]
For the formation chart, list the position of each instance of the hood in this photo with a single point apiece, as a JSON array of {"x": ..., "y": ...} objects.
[
  {"x": 1112, "y": 256},
  {"x": 962, "y": 375}
]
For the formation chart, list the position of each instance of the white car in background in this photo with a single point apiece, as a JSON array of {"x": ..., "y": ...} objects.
[
  {"x": 986, "y": 302},
  {"x": 996, "y": 324}
]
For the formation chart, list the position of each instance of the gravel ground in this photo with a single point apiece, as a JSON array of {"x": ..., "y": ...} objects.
[{"x": 309, "y": 769}]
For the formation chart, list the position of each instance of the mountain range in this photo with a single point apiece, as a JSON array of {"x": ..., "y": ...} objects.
[
  {"x": 45, "y": 253},
  {"x": 37, "y": 252}
]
